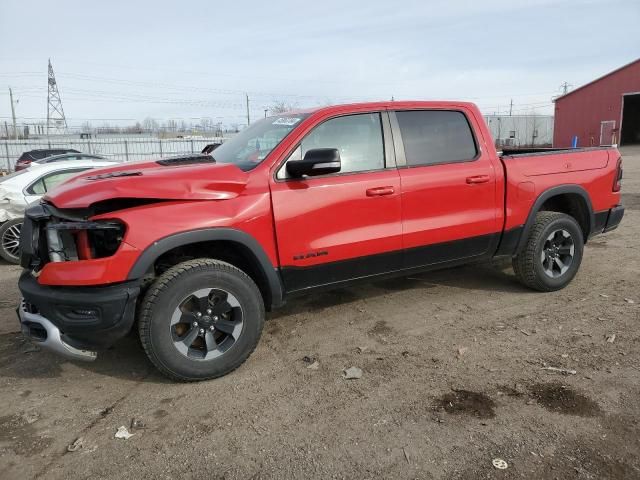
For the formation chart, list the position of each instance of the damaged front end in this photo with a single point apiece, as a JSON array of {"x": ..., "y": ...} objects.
[
  {"x": 75, "y": 321},
  {"x": 53, "y": 235}
]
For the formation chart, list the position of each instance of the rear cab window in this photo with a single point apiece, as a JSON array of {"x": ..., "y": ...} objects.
[{"x": 433, "y": 137}]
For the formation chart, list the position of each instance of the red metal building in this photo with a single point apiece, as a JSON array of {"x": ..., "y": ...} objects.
[{"x": 605, "y": 111}]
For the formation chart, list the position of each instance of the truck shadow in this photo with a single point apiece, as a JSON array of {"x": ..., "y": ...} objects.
[
  {"x": 127, "y": 361},
  {"x": 496, "y": 277}
]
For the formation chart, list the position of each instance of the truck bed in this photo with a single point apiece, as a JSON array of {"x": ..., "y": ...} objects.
[{"x": 519, "y": 152}]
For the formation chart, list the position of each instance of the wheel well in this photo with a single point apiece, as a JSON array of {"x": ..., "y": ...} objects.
[
  {"x": 574, "y": 205},
  {"x": 231, "y": 252}
]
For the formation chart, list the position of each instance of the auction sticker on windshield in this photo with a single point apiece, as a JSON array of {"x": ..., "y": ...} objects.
[{"x": 289, "y": 121}]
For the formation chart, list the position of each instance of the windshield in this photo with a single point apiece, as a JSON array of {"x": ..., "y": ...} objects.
[{"x": 250, "y": 147}]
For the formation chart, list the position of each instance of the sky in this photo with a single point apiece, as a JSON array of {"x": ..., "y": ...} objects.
[{"x": 117, "y": 62}]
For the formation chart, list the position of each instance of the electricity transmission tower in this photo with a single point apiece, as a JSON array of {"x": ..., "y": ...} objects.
[
  {"x": 565, "y": 88},
  {"x": 56, "y": 121}
]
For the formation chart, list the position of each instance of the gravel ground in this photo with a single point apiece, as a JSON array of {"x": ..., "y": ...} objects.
[{"x": 453, "y": 378}]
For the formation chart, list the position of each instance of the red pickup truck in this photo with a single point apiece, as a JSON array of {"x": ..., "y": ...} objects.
[{"x": 194, "y": 249}]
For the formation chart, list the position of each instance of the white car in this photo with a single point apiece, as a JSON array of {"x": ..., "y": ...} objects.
[{"x": 25, "y": 186}]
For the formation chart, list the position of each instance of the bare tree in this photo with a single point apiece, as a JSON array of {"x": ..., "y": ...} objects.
[
  {"x": 206, "y": 124},
  {"x": 532, "y": 126},
  {"x": 86, "y": 127},
  {"x": 280, "y": 106},
  {"x": 150, "y": 124}
]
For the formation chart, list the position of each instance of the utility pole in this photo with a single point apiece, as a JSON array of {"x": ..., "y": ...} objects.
[
  {"x": 510, "y": 107},
  {"x": 248, "y": 118},
  {"x": 13, "y": 115}
]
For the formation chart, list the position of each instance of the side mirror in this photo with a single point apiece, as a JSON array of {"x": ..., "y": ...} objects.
[{"x": 319, "y": 161}]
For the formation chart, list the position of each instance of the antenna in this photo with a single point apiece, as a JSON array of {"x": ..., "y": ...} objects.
[{"x": 56, "y": 120}]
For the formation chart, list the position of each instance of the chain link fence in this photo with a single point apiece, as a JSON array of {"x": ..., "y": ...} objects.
[{"x": 122, "y": 148}]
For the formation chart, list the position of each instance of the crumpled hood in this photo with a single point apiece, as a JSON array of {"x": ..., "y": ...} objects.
[{"x": 202, "y": 181}]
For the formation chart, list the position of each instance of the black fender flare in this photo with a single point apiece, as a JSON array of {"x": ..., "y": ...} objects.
[
  {"x": 546, "y": 195},
  {"x": 148, "y": 256}
]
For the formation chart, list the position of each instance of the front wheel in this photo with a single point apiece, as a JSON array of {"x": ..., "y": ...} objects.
[
  {"x": 201, "y": 319},
  {"x": 553, "y": 253},
  {"x": 10, "y": 240}
]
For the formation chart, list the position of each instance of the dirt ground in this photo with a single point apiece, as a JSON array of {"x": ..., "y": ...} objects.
[{"x": 453, "y": 378}]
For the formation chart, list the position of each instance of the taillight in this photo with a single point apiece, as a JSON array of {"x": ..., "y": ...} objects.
[{"x": 617, "y": 180}]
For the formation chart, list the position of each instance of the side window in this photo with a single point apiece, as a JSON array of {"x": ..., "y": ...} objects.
[
  {"x": 357, "y": 137},
  {"x": 37, "y": 188},
  {"x": 436, "y": 136},
  {"x": 46, "y": 183}
]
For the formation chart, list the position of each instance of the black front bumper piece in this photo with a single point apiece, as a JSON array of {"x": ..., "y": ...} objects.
[{"x": 76, "y": 321}]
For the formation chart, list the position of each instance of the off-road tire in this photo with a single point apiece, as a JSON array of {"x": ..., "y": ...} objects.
[
  {"x": 4, "y": 228},
  {"x": 165, "y": 294},
  {"x": 528, "y": 266}
]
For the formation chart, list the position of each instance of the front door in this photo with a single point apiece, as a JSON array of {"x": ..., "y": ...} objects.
[
  {"x": 340, "y": 226},
  {"x": 449, "y": 198}
]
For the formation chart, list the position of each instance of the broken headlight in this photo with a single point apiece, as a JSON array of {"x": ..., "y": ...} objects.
[{"x": 83, "y": 240}]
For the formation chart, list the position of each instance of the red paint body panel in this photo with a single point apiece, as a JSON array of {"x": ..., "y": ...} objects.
[
  {"x": 523, "y": 188},
  {"x": 191, "y": 182},
  {"x": 441, "y": 203},
  {"x": 100, "y": 271},
  {"x": 582, "y": 110},
  {"x": 343, "y": 215},
  {"x": 335, "y": 215}
]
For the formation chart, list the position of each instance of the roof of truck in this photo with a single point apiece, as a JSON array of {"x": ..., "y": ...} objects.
[{"x": 389, "y": 104}]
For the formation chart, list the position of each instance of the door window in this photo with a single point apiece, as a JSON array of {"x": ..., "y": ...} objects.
[
  {"x": 358, "y": 138},
  {"x": 436, "y": 136}
]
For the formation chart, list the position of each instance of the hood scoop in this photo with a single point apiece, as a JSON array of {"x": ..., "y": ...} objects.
[
  {"x": 185, "y": 160},
  {"x": 104, "y": 176}
]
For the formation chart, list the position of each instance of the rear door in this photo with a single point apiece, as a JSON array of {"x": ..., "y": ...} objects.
[
  {"x": 449, "y": 197},
  {"x": 346, "y": 225}
]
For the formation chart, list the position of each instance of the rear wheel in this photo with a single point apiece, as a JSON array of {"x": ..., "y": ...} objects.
[
  {"x": 10, "y": 240},
  {"x": 552, "y": 254},
  {"x": 201, "y": 319}
]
